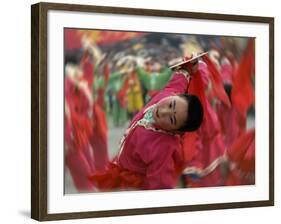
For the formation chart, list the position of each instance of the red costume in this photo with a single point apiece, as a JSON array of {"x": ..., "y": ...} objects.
[
  {"x": 232, "y": 123},
  {"x": 241, "y": 157},
  {"x": 210, "y": 146},
  {"x": 243, "y": 95},
  {"x": 99, "y": 137},
  {"x": 85, "y": 130},
  {"x": 78, "y": 129},
  {"x": 148, "y": 158},
  {"x": 205, "y": 146}
]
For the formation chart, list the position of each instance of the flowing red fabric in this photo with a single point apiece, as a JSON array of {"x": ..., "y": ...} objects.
[
  {"x": 79, "y": 107},
  {"x": 189, "y": 140},
  {"x": 80, "y": 169},
  {"x": 78, "y": 130},
  {"x": 100, "y": 122},
  {"x": 116, "y": 178},
  {"x": 242, "y": 155},
  {"x": 231, "y": 122},
  {"x": 72, "y": 39},
  {"x": 88, "y": 69},
  {"x": 76, "y": 98},
  {"x": 197, "y": 87},
  {"x": 99, "y": 139},
  {"x": 110, "y": 37},
  {"x": 217, "y": 83},
  {"x": 242, "y": 151},
  {"x": 242, "y": 91},
  {"x": 206, "y": 144},
  {"x": 86, "y": 129},
  {"x": 227, "y": 72},
  {"x": 81, "y": 129}
]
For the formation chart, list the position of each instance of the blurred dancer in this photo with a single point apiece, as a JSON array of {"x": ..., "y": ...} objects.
[
  {"x": 99, "y": 138},
  {"x": 135, "y": 103},
  {"x": 232, "y": 126},
  {"x": 204, "y": 146},
  {"x": 78, "y": 128},
  {"x": 85, "y": 123},
  {"x": 154, "y": 77},
  {"x": 118, "y": 85}
]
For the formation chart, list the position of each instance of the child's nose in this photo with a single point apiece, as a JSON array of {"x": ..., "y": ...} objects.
[{"x": 166, "y": 112}]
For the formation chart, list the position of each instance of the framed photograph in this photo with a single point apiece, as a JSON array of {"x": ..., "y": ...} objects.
[{"x": 139, "y": 111}]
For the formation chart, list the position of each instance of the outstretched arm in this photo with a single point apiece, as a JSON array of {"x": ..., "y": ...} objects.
[
  {"x": 179, "y": 81},
  {"x": 178, "y": 84}
]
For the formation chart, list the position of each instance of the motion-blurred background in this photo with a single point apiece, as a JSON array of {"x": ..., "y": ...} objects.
[{"x": 111, "y": 75}]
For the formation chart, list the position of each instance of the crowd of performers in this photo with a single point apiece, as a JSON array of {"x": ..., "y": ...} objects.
[{"x": 220, "y": 152}]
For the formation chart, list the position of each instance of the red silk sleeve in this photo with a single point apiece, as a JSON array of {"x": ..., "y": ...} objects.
[
  {"x": 178, "y": 84},
  {"x": 242, "y": 91},
  {"x": 216, "y": 80}
]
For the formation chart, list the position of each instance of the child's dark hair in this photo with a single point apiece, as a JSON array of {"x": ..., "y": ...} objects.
[{"x": 194, "y": 113}]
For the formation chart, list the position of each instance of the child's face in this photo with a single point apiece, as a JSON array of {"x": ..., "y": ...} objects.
[{"x": 170, "y": 113}]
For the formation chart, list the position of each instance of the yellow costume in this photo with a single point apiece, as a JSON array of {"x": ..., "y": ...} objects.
[{"x": 135, "y": 101}]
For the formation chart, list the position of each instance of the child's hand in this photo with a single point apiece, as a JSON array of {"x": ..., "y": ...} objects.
[{"x": 192, "y": 66}]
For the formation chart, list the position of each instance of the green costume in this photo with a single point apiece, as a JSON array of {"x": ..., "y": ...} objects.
[{"x": 154, "y": 81}]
